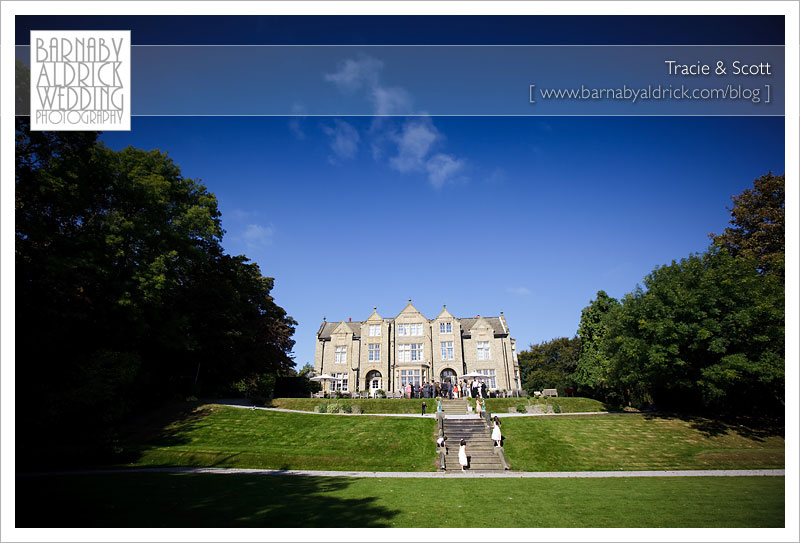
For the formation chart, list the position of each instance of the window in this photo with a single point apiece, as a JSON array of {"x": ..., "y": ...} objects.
[
  {"x": 447, "y": 350},
  {"x": 409, "y": 329},
  {"x": 490, "y": 378},
  {"x": 411, "y": 352},
  {"x": 340, "y": 385},
  {"x": 483, "y": 351},
  {"x": 374, "y": 330},
  {"x": 411, "y": 377},
  {"x": 341, "y": 354},
  {"x": 374, "y": 352},
  {"x": 445, "y": 327}
]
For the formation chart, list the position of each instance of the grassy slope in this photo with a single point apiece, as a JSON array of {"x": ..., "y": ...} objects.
[
  {"x": 226, "y": 436},
  {"x": 500, "y": 405},
  {"x": 634, "y": 442},
  {"x": 180, "y": 500}
]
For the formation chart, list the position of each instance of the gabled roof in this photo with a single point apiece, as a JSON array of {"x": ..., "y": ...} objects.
[
  {"x": 329, "y": 327},
  {"x": 445, "y": 314},
  {"x": 411, "y": 309},
  {"x": 494, "y": 323}
]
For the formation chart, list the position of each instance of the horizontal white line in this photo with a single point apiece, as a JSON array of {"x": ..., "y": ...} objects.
[
  {"x": 462, "y": 115},
  {"x": 445, "y": 45}
]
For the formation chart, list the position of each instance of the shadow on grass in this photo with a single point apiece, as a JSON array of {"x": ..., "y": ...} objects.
[
  {"x": 141, "y": 500},
  {"x": 756, "y": 429}
]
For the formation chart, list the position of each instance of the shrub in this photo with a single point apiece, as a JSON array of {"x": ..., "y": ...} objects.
[
  {"x": 257, "y": 387},
  {"x": 521, "y": 408},
  {"x": 380, "y": 393}
]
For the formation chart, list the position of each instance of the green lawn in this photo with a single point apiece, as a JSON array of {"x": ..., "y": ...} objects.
[
  {"x": 182, "y": 500},
  {"x": 215, "y": 435},
  {"x": 635, "y": 442}
]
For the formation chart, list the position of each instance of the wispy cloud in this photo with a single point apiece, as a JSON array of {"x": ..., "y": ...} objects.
[
  {"x": 256, "y": 235},
  {"x": 296, "y": 123},
  {"x": 411, "y": 147},
  {"x": 413, "y": 144},
  {"x": 442, "y": 169},
  {"x": 355, "y": 74},
  {"x": 521, "y": 291},
  {"x": 344, "y": 138}
]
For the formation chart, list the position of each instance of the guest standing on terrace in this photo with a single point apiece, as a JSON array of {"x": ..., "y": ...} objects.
[{"x": 462, "y": 454}]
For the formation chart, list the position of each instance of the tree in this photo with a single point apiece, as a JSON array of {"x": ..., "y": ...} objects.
[
  {"x": 549, "y": 364},
  {"x": 707, "y": 333},
  {"x": 124, "y": 293},
  {"x": 758, "y": 228},
  {"x": 593, "y": 369}
]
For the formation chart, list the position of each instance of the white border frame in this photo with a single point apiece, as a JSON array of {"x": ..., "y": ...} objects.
[{"x": 10, "y": 9}]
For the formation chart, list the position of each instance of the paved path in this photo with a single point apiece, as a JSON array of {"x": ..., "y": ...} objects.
[
  {"x": 429, "y": 415},
  {"x": 433, "y": 474}
]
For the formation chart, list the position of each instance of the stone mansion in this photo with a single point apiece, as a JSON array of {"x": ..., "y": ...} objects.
[{"x": 386, "y": 354}]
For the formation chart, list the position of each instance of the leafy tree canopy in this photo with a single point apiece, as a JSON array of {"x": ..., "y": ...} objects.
[
  {"x": 758, "y": 224},
  {"x": 124, "y": 292}
]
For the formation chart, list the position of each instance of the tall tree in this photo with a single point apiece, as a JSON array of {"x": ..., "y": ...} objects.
[
  {"x": 758, "y": 227},
  {"x": 124, "y": 292},
  {"x": 707, "y": 333},
  {"x": 549, "y": 364},
  {"x": 594, "y": 369}
]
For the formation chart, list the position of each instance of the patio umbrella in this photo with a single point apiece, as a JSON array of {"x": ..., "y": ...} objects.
[
  {"x": 473, "y": 375},
  {"x": 325, "y": 377}
]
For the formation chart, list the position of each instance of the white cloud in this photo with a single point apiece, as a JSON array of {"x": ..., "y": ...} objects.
[
  {"x": 344, "y": 138},
  {"x": 413, "y": 144},
  {"x": 296, "y": 129},
  {"x": 441, "y": 169},
  {"x": 256, "y": 235},
  {"x": 414, "y": 141},
  {"x": 522, "y": 291},
  {"x": 391, "y": 100},
  {"x": 354, "y": 74}
]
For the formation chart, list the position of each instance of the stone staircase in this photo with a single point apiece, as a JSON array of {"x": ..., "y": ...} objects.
[
  {"x": 480, "y": 447},
  {"x": 455, "y": 407}
]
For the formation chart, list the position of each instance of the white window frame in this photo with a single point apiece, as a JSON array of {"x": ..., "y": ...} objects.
[
  {"x": 484, "y": 350},
  {"x": 404, "y": 352},
  {"x": 374, "y": 352},
  {"x": 341, "y": 354},
  {"x": 417, "y": 352},
  {"x": 412, "y": 376},
  {"x": 374, "y": 330},
  {"x": 445, "y": 327},
  {"x": 410, "y": 329},
  {"x": 340, "y": 385},
  {"x": 447, "y": 350}
]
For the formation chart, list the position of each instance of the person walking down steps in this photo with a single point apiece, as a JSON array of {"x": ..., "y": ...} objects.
[
  {"x": 496, "y": 435},
  {"x": 462, "y": 454}
]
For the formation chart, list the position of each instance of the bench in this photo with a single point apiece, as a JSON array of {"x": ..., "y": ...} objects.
[{"x": 552, "y": 392}]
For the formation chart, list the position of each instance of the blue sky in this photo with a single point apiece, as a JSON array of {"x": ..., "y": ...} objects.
[
  {"x": 526, "y": 215},
  {"x": 529, "y": 216}
]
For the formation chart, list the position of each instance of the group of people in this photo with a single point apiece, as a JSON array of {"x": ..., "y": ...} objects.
[{"x": 446, "y": 389}]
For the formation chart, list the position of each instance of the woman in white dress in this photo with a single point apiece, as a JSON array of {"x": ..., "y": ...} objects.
[
  {"x": 496, "y": 435},
  {"x": 462, "y": 454}
]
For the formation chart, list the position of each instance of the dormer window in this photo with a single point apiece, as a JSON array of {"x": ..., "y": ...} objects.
[
  {"x": 374, "y": 330},
  {"x": 445, "y": 327}
]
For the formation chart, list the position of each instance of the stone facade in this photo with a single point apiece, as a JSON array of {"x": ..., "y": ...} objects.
[{"x": 383, "y": 354}]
